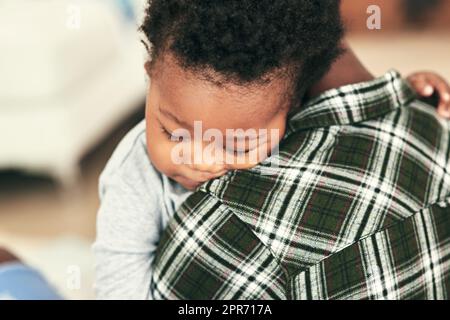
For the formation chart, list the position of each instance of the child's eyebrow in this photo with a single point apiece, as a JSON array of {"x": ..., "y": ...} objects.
[{"x": 169, "y": 115}]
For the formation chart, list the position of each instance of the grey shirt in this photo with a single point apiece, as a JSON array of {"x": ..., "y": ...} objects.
[{"x": 137, "y": 202}]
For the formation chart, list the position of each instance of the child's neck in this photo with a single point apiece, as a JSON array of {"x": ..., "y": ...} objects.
[{"x": 346, "y": 70}]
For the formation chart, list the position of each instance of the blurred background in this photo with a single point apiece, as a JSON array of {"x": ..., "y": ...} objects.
[{"x": 72, "y": 84}]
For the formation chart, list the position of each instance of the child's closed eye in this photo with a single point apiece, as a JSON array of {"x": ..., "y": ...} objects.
[{"x": 168, "y": 135}]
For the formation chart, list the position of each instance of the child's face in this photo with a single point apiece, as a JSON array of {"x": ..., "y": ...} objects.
[{"x": 176, "y": 99}]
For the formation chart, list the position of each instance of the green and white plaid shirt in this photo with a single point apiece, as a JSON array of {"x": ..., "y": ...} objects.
[{"x": 358, "y": 208}]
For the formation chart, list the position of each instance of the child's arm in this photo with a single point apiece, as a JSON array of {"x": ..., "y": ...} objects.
[
  {"x": 348, "y": 69},
  {"x": 129, "y": 221}
]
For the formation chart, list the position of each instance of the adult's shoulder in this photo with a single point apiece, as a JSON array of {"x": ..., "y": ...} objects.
[{"x": 428, "y": 126}]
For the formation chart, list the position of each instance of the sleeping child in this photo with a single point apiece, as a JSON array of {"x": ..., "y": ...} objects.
[{"x": 229, "y": 66}]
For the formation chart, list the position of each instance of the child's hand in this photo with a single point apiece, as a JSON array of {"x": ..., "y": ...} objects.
[{"x": 429, "y": 83}]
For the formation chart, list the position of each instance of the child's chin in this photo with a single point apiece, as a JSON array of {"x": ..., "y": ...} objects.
[{"x": 189, "y": 184}]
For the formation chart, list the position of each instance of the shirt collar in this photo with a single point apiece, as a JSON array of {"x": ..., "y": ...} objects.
[{"x": 353, "y": 103}]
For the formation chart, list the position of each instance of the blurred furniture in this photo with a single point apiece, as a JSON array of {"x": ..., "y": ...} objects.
[
  {"x": 405, "y": 52},
  {"x": 398, "y": 15},
  {"x": 70, "y": 72}
]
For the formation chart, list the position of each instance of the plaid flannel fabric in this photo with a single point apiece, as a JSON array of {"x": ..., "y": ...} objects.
[{"x": 358, "y": 208}]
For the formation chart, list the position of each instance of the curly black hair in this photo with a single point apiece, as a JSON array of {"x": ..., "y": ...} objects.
[{"x": 243, "y": 41}]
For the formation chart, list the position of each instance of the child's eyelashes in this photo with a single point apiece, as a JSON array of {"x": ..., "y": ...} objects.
[
  {"x": 171, "y": 137},
  {"x": 237, "y": 152},
  {"x": 166, "y": 132}
]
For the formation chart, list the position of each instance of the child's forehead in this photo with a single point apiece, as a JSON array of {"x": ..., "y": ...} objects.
[
  {"x": 189, "y": 98},
  {"x": 222, "y": 111},
  {"x": 194, "y": 99}
]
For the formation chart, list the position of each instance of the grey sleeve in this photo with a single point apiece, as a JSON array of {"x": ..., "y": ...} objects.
[
  {"x": 128, "y": 230},
  {"x": 127, "y": 237}
]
